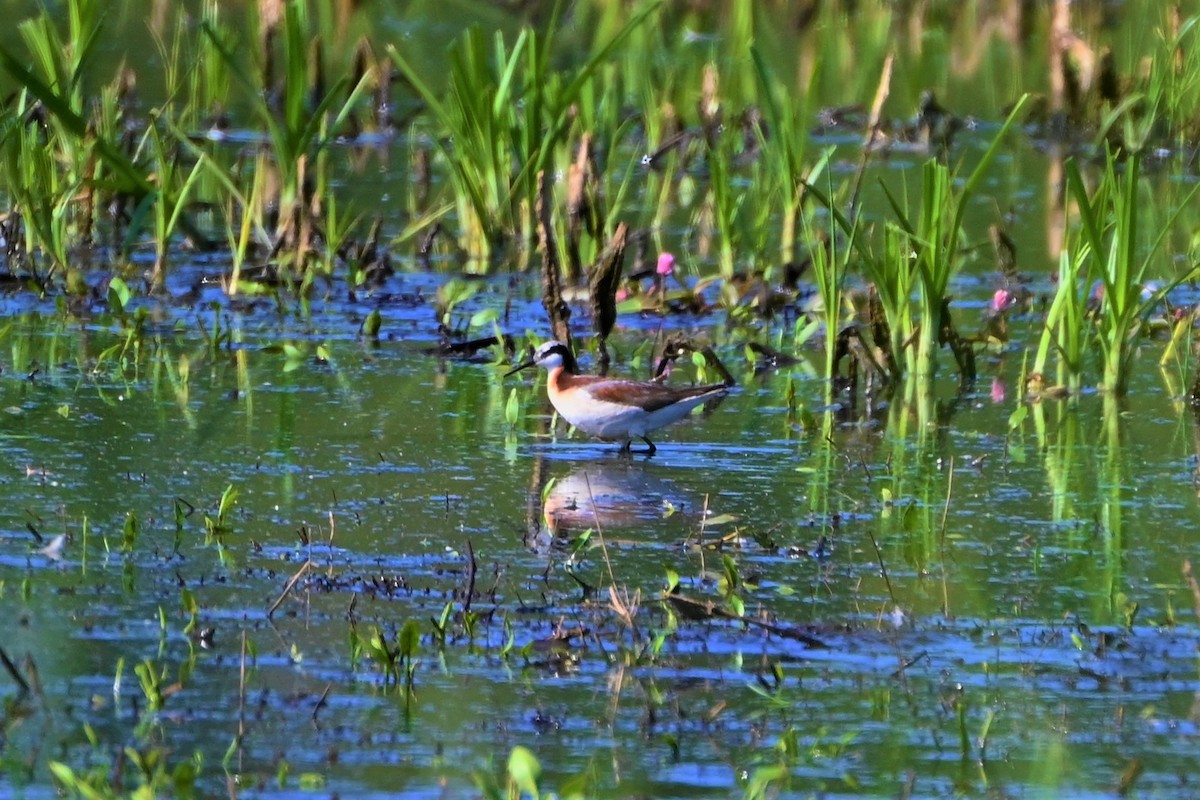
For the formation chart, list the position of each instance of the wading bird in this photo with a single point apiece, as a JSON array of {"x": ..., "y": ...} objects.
[{"x": 611, "y": 408}]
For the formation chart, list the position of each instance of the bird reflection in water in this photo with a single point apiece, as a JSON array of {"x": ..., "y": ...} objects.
[{"x": 609, "y": 496}]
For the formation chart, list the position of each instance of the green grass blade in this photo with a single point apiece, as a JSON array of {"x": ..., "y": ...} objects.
[
  {"x": 135, "y": 180},
  {"x": 502, "y": 102}
]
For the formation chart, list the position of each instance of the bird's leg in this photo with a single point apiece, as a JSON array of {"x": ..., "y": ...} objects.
[
  {"x": 627, "y": 447},
  {"x": 652, "y": 449}
]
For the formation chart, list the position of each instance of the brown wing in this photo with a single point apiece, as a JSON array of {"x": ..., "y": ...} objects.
[{"x": 650, "y": 396}]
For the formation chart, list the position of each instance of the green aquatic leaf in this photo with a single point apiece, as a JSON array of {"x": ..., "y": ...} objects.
[
  {"x": 672, "y": 580},
  {"x": 118, "y": 295},
  {"x": 484, "y": 318},
  {"x": 410, "y": 639},
  {"x": 512, "y": 409},
  {"x": 293, "y": 352},
  {"x": 372, "y": 324},
  {"x": 524, "y": 770},
  {"x": 310, "y": 781}
]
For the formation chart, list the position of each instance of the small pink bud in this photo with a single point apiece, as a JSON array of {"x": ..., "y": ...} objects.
[
  {"x": 1003, "y": 300},
  {"x": 998, "y": 391},
  {"x": 666, "y": 264}
]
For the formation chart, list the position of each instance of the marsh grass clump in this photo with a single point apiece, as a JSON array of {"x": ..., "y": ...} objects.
[
  {"x": 302, "y": 110},
  {"x": 917, "y": 258},
  {"x": 98, "y": 174},
  {"x": 1104, "y": 296},
  {"x": 502, "y": 121},
  {"x": 724, "y": 135},
  {"x": 57, "y": 148}
]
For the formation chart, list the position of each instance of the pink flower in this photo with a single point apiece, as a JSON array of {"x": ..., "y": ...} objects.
[
  {"x": 1003, "y": 300},
  {"x": 998, "y": 391},
  {"x": 666, "y": 264}
]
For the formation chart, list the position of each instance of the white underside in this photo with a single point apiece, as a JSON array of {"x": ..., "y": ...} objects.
[{"x": 616, "y": 421}]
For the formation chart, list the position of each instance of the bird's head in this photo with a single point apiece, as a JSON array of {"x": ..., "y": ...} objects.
[{"x": 549, "y": 355}]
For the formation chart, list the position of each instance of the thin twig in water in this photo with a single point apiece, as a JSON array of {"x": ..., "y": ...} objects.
[
  {"x": 599, "y": 533},
  {"x": 320, "y": 703},
  {"x": 624, "y": 607},
  {"x": 1133, "y": 771},
  {"x": 881, "y": 93},
  {"x": 883, "y": 568},
  {"x": 707, "y": 609},
  {"x": 946, "y": 508},
  {"x": 472, "y": 569},
  {"x": 700, "y": 533},
  {"x": 292, "y": 581},
  {"x": 908, "y": 662},
  {"x": 13, "y": 672}
]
